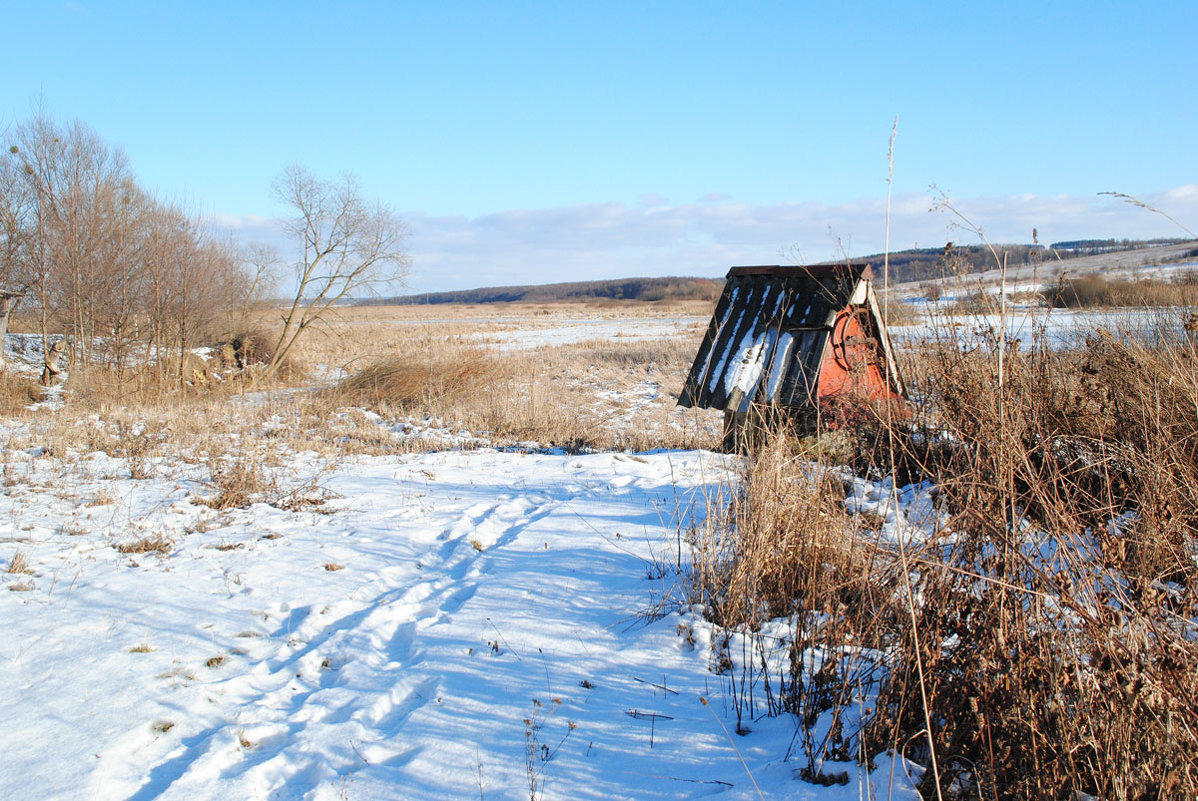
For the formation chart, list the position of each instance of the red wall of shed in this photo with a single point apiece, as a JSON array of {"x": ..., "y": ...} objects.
[{"x": 852, "y": 362}]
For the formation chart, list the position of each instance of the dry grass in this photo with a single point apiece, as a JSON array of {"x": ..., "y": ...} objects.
[
  {"x": 153, "y": 543},
  {"x": 574, "y": 396},
  {"x": 238, "y": 483},
  {"x": 16, "y": 393},
  {"x": 19, "y": 564},
  {"x": 1047, "y": 634},
  {"x": 781, "y": 545},
  {"x": 437, "y": 378},
  {"x": 788, "y": 542},
  {"x": 416, "y": 365},
  {"x": 1055, "y": 635},
  {"x": 1097, "y": 291}
]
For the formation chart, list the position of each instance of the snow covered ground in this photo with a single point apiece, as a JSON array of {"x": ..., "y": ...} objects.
[
  {"x": 1056, "y": 327},
  {"x": 453, "y": 624}
]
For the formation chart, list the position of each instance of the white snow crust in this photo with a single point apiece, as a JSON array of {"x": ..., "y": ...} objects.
[{"x": 437, "y": 620}]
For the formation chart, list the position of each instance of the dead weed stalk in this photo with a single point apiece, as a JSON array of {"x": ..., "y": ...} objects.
[{"x": 1048, "y": 631}]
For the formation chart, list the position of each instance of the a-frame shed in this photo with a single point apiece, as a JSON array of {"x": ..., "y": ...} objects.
[{"x": 795, "y": 337}]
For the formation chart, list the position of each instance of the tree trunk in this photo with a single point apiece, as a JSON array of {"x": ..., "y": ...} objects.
[{"x": 6, "y": 304}]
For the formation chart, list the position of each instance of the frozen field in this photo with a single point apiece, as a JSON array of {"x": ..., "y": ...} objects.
[{"x": 456, "y": 624}]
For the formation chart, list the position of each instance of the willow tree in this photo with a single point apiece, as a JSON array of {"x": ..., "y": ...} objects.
[{"x": 349, "y": 247}]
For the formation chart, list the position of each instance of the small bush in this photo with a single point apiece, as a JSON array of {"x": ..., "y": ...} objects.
[
  {"x": 238, "y": 484},
  {"x": 156, "y": 543}
]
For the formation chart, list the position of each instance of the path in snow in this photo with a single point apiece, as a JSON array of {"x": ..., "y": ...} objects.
[{"x": 485, "y": 610}]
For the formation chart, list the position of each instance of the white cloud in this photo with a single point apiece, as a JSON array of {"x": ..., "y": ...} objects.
[
  {"x": 652, "y": 199},
  {"x": 616, "y": 240}
]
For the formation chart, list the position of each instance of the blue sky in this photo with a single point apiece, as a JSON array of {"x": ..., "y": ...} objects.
[{"x": 529, "y": 142}]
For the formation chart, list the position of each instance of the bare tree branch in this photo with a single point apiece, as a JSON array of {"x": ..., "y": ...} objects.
[{"x": 348, "y": 247}]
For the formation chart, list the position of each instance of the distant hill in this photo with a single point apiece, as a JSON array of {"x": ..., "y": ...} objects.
[
  {"x": 642, "y": 289},
  {"x": 923, "y": 264}
]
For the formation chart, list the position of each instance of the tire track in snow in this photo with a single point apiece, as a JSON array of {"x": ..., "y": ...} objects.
[{"x": 309, "y": 712}]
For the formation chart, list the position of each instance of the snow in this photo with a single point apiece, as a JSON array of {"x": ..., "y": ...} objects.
[
  {"x": 1058, "y": 328},
  {"x": 748, "y": 364},
  {"x": 442, "y": 625}
]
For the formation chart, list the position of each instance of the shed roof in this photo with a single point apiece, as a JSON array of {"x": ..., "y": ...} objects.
[{"x": 766, "y": 339}]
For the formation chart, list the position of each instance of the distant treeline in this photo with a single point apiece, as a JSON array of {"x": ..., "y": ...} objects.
[
  {"x": 921, "y": 264},
  {"x": 1092, "y": 247},
  {"x": 642, "y": 289},
  {"x": 925, "y": 264}
]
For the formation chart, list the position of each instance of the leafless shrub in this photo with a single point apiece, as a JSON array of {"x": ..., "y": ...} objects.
[{"x": 238, "y": 484}]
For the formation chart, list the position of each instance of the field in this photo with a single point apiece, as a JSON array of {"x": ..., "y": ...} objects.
[
  {"x": 479, "y": 552},
  {"x": 270, "y": 594}
]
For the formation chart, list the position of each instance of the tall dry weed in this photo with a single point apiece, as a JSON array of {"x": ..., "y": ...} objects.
[
  {"x": 1046, "y": 632},
  {"x": 782, "y": 546},
  {"x": 1055, "y": 634}
]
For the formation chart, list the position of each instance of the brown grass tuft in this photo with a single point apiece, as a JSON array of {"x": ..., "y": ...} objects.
[
  {"x": 19, "y": 564},
  {"x": 405, "y": 385},
  {"x": 156, "y": 543},
  {"x": 16, "y": 394},
  {"x": 238, "y": 483}
]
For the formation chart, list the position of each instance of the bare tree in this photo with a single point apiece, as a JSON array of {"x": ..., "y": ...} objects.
[
  {"x": 82, "y": 223},
  {"x": 349, "y": 247},
  {"x": 16, "y": 208},
  {"x": 261, "y": 266},
  {"x": 104, "y": 260}
]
